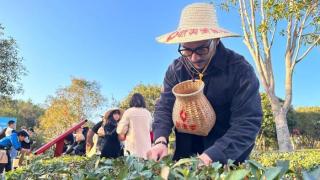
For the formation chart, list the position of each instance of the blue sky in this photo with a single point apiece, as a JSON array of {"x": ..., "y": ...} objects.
[{"x": 113, "y": 43}]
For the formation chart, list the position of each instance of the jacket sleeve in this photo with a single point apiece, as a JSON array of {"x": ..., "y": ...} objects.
[
  {"x": 123, "y": 125},
  {"x": 96, "y": 127},
  {"x": 15, "y": 141},
  {"x": 163, "y": 124},
  {"x": 245, "y": 120}
]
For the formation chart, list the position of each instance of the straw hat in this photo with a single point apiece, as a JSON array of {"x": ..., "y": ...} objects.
[
  {"x": 198, "y": 22},
  {"x": 106, "y": 115}
]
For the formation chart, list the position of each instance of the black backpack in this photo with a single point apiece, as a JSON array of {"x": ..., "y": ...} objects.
[{"x": 3, "y": 133}]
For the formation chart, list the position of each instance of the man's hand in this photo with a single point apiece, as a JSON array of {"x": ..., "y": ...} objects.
[
  {"x": 158, "y": 151},
  {"x": 206, "y": 160}
]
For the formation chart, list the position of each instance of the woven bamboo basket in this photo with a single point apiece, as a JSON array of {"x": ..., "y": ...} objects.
[{"x": 192, "y": 112}]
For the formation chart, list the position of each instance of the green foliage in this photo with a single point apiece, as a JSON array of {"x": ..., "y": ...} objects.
[
  {"x": 8, "y": 106},
  {"x": 76, "y": 167},
  {"x": 307, "y": 126},
  {"x": 70, "y": 105},
  {"x": 38, "y": 140},
  {"x": 268, "y": 127},
  {"x": 150, "y": 93},
  {"x": 267, "y": 138},
  {"x": 263, "y": 25},
  {"x": 11, "y": 67},
  {"x": 26, "y": 112},
  {"x": 282, "y": 11},
  {"x": 304, "y": 120},
  {"x": 303, "y": 159},
  {"x": 308, "y": 121}
]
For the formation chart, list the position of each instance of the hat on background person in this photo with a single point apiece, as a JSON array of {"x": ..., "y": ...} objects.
[{"x": 107, "y": 114}]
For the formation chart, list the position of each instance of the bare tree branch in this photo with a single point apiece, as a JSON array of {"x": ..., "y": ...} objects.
[
  {"x": 246, "y": 15},
  {"x": 262, "y": 10},
  {"x": 256, "y": 43},
  {"x": 313, "y": 33},
  {"x": 272, "y": 82},
  {"x": 249, "y": 44},
  {"x": 272, "y": 34},
  {"x": 268, "y": 62},
  {"x": 288, "y": 58},
  {"x": 299, "y": 41},
  {"x": 294, "y": 35},
  {"x": 288, "y": 83},
  {"x": 244, "y": 26},
  {"x": 308, "y": 50},
  {"x": 264, "y": 33},
  {"x": 288, "y": 44},
  {"x": 266, "y": 50}
]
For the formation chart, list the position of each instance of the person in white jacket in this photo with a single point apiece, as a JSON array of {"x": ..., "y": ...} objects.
[{"x": 135, "y": 126}]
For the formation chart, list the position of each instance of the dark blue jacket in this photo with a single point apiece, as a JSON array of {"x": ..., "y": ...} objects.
[{"x": 232, "y": 88}]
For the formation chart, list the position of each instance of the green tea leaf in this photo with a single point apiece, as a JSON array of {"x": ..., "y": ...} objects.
[
  {"x": 216, "y": 166},
  {"x": 272, "y": 173},
  {"x": 184, "y": 161},
  {"x": 311, "y": 175},
  {"x": 284, "y": 165},
  {"x": 237, "y": 174}
]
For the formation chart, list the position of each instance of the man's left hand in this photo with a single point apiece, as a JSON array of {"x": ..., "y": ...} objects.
[{"x": 206, "y": 160}]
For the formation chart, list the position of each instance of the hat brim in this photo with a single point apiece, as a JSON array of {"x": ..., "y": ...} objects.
[
  {"x": 106, "y": 115},
  {"x": 194, "y": 34}
]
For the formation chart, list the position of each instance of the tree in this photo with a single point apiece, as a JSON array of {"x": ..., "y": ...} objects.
[
  {"x": 261, "y": 22},
  {"x": 11, "y": 67},
  {"x": 267, "y": 138},
  {"x": 8, "y": 106},
  {"x": 150, "y": 93},
  {"x": 81, "y": 100},
  {"x": 26, "y": 112}
]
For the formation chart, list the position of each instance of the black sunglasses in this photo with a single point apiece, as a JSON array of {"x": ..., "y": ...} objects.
[{"x": 201, "y": 50}]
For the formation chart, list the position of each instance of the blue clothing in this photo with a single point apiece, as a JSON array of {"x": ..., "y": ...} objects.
[{"x": 10, "y": 141}]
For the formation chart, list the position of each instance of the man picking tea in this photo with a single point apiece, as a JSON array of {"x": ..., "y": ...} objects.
[{"x": 211, "y": 94}]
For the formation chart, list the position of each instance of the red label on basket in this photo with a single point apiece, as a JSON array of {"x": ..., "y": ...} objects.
[
  {"x": 178, "y": 124},
  {"x": 193, "y": 127},
  {"x": 185, "y": 126},
  {"x": 183, "y": 115}
]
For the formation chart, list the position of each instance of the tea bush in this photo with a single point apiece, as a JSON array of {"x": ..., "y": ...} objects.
[
  {"x": 302, "y": 159},
  {"x": 303, "y": 165}
]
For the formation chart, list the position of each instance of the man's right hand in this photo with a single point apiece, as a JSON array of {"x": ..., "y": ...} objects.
[{"x": 157, "y": 152}]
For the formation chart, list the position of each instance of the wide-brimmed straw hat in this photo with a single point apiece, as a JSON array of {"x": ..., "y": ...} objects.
[
  {"x": 106, "y": 115},
  {"x": 198, "y": 22}
]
